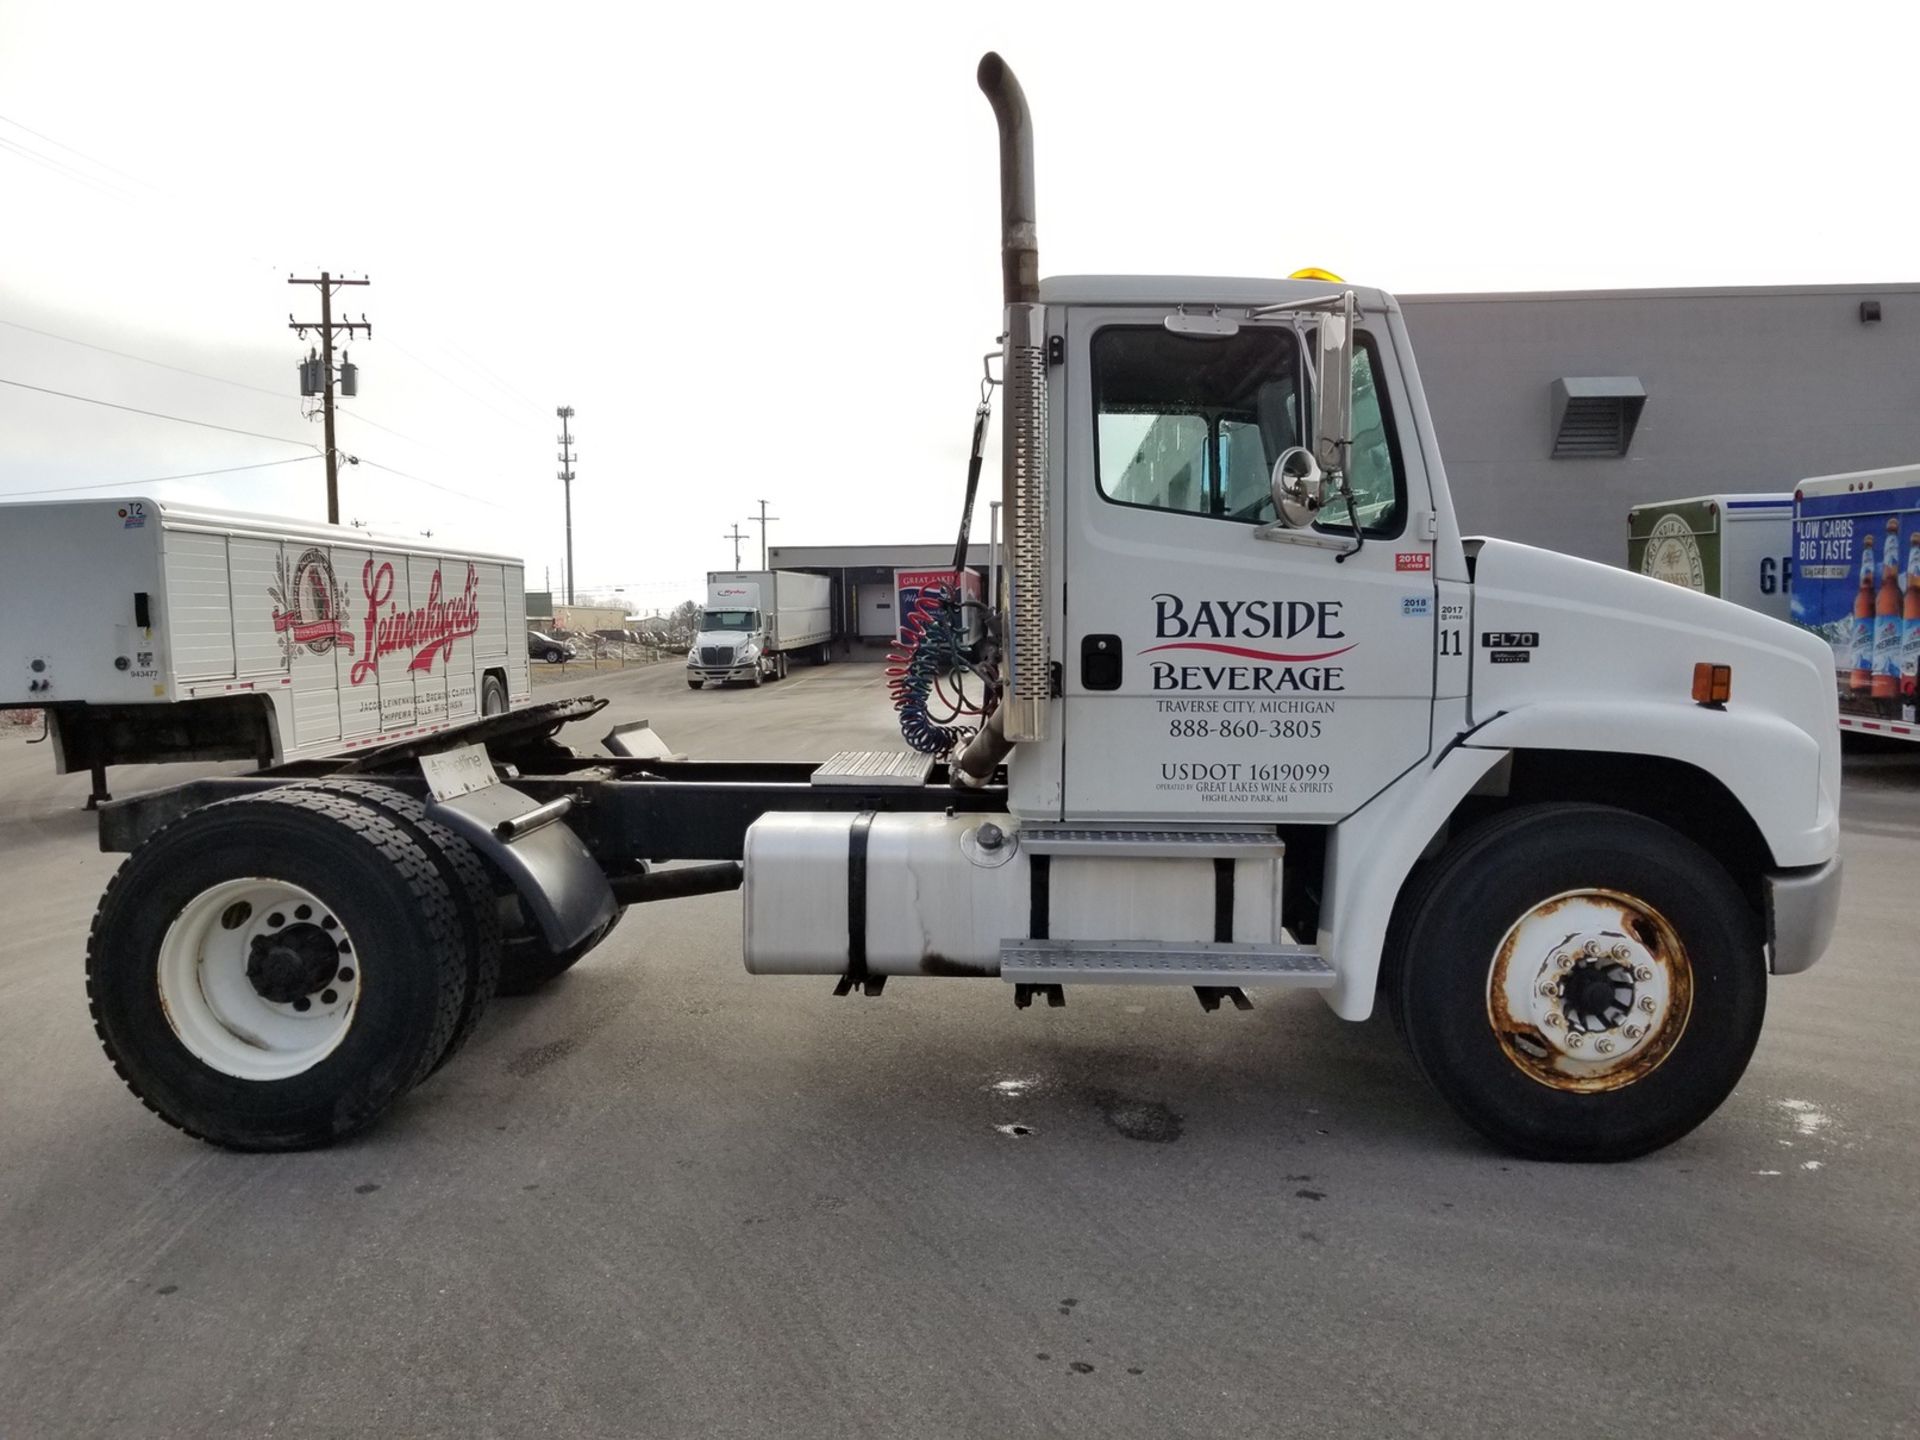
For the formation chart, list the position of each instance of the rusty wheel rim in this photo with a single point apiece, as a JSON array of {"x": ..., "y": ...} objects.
[{"x": 1589, "y": 991}]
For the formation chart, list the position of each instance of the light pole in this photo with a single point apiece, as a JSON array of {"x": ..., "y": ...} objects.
[{"x": 565, "y": 412}]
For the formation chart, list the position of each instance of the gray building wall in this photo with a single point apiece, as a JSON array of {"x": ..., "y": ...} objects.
[{"x": 1747, "y": 389}]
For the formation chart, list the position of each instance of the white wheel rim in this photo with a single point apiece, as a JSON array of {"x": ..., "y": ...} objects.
[
  {"x": 1589, "y": 991},
  {"x": 217, "y": 1008}
]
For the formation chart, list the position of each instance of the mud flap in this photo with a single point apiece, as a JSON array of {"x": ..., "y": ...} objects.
[{"x": 562, "y": 886}]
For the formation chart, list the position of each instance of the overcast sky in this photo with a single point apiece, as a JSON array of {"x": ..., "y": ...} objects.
[{"x": 756, "y": 248}]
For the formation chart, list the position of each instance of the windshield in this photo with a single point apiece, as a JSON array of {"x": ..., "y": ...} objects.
[{"x": 730, "y": 620}]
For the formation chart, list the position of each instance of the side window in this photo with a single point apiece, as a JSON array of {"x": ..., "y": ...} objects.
[
  {"x": 1154, "y": 459},
  {"x": 1376, "y": 471},
  {"x": 1194, "y": 425}
]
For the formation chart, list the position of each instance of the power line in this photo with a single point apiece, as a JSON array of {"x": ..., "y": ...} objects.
[
  {"x": 157, "y": 414},
  {"x": 142, "y": 359},
  {"x": 58, "y": 167},
  {"x": 483, "y": 403},
  {"x": 155, "y": 479},
  {"x": 132, "y": 179},
  {"x": 421, "y": 479}
]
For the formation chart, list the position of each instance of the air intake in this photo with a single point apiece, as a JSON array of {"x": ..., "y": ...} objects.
[{"x": 1594, "y": 417}]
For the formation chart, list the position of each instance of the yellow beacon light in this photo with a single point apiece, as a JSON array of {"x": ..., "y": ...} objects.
[{"x": 1314, "y": 272}]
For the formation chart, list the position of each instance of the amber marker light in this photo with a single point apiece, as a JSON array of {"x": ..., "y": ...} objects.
[{"x": 1712, "y": 684}]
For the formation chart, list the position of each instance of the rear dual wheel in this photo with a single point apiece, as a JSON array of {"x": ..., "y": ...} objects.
[
  {"x": 274, "y": 972},
  {"x": 1579, "y": 983}
]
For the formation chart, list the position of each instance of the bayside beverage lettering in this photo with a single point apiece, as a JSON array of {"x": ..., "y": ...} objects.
[
  {"x": 427, "y": 631},
  {"x": 1310, "y": 629}
]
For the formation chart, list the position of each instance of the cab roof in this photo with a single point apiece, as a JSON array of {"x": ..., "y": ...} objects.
[{"x": 1198, "y": 290}]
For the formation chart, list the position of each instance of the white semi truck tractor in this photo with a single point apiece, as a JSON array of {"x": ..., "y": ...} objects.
[
  {"x": 1260, "y": 719},
  {"x": 756, "y": 622}
]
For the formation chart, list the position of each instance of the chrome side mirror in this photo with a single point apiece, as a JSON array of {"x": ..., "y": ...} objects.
[
  {"x": 1333, "y": 394},
  {"x": 1299, "y": 486}
]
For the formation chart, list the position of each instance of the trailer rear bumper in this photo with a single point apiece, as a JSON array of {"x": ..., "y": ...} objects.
[{"x": 1803, "y": 906}]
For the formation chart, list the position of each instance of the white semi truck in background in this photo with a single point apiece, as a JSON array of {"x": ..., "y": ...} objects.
[
  {"x": 1259, "y": 717},
  {"x": 756, "y": 622},
  {"x": 148, "y": 631}
]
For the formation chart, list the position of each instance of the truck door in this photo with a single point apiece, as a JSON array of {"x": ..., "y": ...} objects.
[{"x": 1216, "y": 666}]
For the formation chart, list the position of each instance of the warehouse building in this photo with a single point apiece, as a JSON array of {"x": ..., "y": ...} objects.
[
  {"x": 868, "y": 583},
  {"x": 1557, "y": 412}
]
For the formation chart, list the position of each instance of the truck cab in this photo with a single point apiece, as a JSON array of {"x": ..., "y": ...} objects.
[{"x": 731, "y": 641}]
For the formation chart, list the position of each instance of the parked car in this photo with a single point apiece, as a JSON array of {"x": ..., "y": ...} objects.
[{"x": 541, "y": 646}]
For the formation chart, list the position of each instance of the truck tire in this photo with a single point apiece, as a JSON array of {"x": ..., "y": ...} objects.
[
  {"x": 493, "y": 696},
  {"x": 252, "y": 1045},
  {"x": 528, "y": 963},
  {"x": 780, "y": 666},
  {"x": 469, "y": 880},
  {"x": 1578, "y": 982},
  {"x": 693, "y": 682}
]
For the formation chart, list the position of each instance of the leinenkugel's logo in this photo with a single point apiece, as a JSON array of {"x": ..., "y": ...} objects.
[
  {"x": 1308, "y": 628},
  {"x": 427, "y": 630},
  {"x": 309, "y": 604}
]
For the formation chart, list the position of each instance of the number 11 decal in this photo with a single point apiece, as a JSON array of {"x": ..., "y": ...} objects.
[{"x": 1450, "y": 641}]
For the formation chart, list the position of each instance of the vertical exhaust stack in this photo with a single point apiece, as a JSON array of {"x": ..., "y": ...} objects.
[{"x": 1023, "y": 464}]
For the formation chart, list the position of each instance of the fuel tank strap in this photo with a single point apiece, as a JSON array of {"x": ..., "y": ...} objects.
[{"x": 857, "y": 836}]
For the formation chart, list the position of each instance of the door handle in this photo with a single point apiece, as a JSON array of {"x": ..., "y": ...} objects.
[{"x": 1100, "y": 662}]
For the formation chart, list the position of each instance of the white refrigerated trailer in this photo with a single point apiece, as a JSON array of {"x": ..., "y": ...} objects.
[{"x": 149, "y": 631}]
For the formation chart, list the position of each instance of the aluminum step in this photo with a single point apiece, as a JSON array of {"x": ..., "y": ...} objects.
[
  {"x": 863, "y": 768},
  {"x": 1160, "y": 962},
  {"x": 1134, "y": 841}
]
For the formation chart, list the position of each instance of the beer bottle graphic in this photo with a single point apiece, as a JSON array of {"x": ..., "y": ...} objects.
[
  {"x": 1886, "y": 620},
  {"x": 1860, "y": 681},
  {"x": 1910, "y": 630}
]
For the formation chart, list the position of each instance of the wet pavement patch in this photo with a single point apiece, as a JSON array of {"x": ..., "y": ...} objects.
[{"x": 1145, "y": 1120}]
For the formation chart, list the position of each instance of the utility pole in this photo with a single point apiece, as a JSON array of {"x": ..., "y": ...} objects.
[
  {"x": 736, "y": 535},
  {"x": 565, "y": 412},
  {"x": 762, "y": 523},
  {"x": 322, "y": 381}
]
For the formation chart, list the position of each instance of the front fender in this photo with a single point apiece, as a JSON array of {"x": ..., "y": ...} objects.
[
  {"x": 1771, "y": 766},
  {"x": 1369, "y": 856}
]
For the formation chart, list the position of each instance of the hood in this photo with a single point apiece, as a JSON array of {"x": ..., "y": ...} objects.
[{"x": 1609, "y": 635}]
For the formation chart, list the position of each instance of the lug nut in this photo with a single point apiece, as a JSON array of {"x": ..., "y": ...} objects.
[
  {"x": 1647, "y": 1004},
  {"x": 1634, "y": 1032},
  {"x": 1549, "y": 989},
  {"x": 1605, "y": 1047},
  {"x": 1574, "y": 1039},
  {"x": 1643, "y": 973},
  {"x": 1592, "y": 947},
  {"x": 1553, "y": 1022},
  {"x": 1563, "y": 962},
  {"x": 1622, "y": 951}
]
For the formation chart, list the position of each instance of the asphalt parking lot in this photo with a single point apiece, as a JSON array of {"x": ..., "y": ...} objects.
[{"x": 664, "y": 1198}]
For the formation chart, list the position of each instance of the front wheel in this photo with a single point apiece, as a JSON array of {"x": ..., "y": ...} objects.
[
  {"x": 693, "y": 682},
  {"x": 1579, "y": 983}
]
